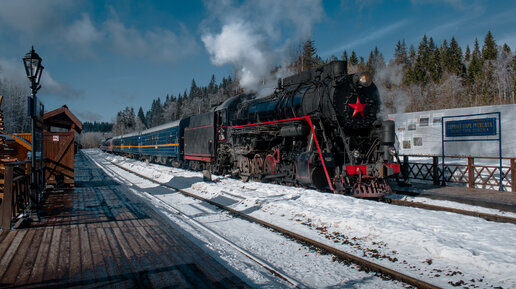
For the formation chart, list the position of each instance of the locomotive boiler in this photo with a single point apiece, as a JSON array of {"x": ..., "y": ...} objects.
[{"x": 319, "y": 128}]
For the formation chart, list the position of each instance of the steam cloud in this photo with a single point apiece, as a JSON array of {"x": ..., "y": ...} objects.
[
  {"x": 250, "y": 37},
  {"x": 238, "y": 44}
]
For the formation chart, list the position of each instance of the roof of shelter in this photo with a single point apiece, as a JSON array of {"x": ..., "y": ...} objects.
[{"x": 63, "y": 118}]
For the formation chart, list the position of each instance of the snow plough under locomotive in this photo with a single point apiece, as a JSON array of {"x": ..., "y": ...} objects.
[{"x": 318, "y": 129}]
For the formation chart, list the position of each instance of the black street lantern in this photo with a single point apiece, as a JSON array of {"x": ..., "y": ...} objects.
[{"x": 33, "y": 68}]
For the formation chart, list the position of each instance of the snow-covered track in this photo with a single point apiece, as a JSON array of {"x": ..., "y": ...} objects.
[
  {"x": 486, "y": 216},
  {"x": 191, "y": 220},
  {"x": 363, "y": 263}
]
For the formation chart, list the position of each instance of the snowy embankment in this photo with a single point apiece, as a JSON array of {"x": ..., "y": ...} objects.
[{"x": 442, "y": 248}]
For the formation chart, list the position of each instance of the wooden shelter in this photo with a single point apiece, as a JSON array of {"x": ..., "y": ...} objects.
[{"x": 58, "y": 145}]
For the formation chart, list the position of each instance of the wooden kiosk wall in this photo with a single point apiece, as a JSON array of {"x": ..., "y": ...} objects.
[
  {"x": 59, "y": 146},
  {"x": 58, "y": 154}
]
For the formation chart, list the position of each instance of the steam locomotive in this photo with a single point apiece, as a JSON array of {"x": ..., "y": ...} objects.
[{"x": 318, "y": 129}]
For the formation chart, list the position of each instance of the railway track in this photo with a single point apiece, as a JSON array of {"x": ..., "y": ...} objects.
[
  {"x": 199, "y": 225},
  {"x": 363, "y": 263},
  {"x": 486, "y": 216}
]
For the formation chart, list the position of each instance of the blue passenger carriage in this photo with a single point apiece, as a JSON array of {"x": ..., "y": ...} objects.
[
  {"x": 116, "y": 143},
  {"x": 130, "y": 144},
  {"x": 163, "y": 143}
]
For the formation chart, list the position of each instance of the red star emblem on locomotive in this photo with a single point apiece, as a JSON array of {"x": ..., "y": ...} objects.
[{"x": 358, "y": 107}]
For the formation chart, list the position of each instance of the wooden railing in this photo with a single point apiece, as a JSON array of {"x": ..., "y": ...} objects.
[
  {"x": 16, "y": 193},
  {"x": 473, "y": 174}
]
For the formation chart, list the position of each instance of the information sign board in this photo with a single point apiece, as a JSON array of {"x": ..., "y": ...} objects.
[{"x": 471, "y": 127}]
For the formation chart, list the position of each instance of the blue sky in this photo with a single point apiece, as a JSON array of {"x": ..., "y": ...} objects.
[{"x": 101, "y": 56}]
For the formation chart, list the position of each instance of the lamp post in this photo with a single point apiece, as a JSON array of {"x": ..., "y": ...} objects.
[{"x": 34, "y": 69}]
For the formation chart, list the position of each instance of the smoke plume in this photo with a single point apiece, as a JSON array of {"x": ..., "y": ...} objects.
[{"x": 255, "y": 37}]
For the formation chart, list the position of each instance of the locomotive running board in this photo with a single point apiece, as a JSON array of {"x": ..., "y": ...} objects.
[{"x": 309, "y": 121}]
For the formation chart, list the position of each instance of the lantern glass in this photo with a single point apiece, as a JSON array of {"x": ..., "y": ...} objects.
[{"x": 33, "y": 67}]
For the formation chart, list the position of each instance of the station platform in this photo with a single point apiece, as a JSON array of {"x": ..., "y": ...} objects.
[
  {"x": 494, "y": 199},
  {"x": 95, "y": 235}
]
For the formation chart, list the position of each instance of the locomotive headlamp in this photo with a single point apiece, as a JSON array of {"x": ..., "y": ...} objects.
[{"x": 365, "y": 79}]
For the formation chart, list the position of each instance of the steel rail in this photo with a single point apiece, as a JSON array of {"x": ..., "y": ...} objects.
[
  {"x": 257, "y": 260},
  {"x": 486, "y": 216},
  {"x": 366, "y": 264}
]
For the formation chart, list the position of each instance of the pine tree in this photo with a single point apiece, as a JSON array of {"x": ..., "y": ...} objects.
[
  {"x": 141, "y": 116},
  {"x": 156, "y": 117},
  {"x": 195, "y": 92},
  {"x": 308, "y": 55},
  {"x": 344, "y": 56},
  {"x": 489, "y": 50},
  {"x": 475, "y": 66},
  {"x": 445, "y": 56},
  {"x": 455, "y": 58},
  {"x": 212, "y": 86},
  {"x": 412, "y": 55},
  {"x": 400, "y": 53},
  {"x": 361, "y": 65},
  {"x": 422, "y": 62},
  {"x": 353, "y": 59},
  {"x": 375, "y": 62},
  {"x": 179, "y": 107},
  {"x": 467, "y": 54},
  {"x": 370, "y": 63},
  {"x": 506, "y": 48},
  {"x": 435, "y": 67}
]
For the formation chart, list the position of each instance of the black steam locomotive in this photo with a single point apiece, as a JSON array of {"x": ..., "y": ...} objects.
[{"x": 318, "y": 129}]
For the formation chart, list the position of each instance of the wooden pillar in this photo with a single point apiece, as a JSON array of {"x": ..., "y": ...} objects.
[
  {"x": 6, "y": 209},
  {"x": 471, "y": 172}
]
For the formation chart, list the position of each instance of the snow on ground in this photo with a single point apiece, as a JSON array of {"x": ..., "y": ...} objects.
[
  {"x": 454, "y": 205},
  {"x": 442, "y": 248}
]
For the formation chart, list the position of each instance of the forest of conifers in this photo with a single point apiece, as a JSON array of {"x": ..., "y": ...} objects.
[{"x": 427, "y": 77}]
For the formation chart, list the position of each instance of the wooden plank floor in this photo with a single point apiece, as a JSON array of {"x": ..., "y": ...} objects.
[{"x": 95, "y": 236}]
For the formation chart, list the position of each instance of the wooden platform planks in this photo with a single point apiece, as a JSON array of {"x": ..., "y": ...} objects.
[{"x": 95, "y": 236}]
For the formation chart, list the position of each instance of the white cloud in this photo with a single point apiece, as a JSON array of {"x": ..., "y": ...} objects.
[
  {"x": 12, "y": 72},
  {"x": 156, "y": 44},
  {"x": 61, "y": 21},
  {"x": 52, "y": 87},
  {"x": 88, "y": 116},
  {"x": 31, "y": 18},
  {"x": 83, "y": 32}
]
